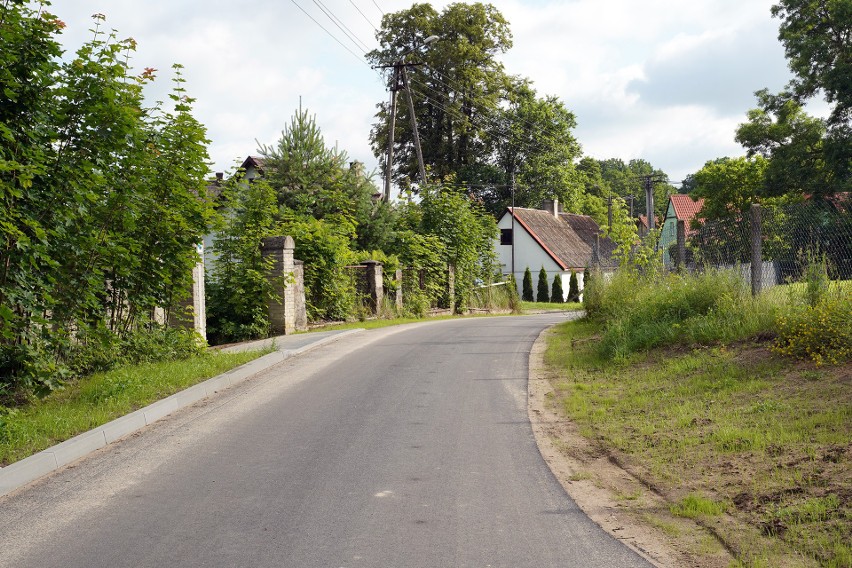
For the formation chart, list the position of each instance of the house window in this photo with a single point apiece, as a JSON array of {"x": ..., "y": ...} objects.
[{"x": 505, "y": 236}]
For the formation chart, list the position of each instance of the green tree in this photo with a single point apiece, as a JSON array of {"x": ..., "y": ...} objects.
[
  {"x": 573, "y": 288},
  {"x": 556, "y": 295},
  {"x": 103, "y": 198},
  {"x": 314, "y": 180},
  {"x": 467, "y": 233},
  {"x": 542, "y": 293},
  {"x": 729, "y": 186},
  {"x": 532, "y": 142},
  {"x": 808, "y": 155},
  {"x": 816, "y": 38},
  {"x": 456, "y": 90},
  {"x": 527, "y": 295},
  {"x": 793, "y": 142},
  {"x": 238, "y": 290}
]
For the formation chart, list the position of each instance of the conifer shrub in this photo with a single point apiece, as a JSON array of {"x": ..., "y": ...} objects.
[
  {"x": 573, "y": 288},
  {"x": 527, "y": 295},
  {"x": 543, "y": 291},
  {"x": 556, "y": 295}
]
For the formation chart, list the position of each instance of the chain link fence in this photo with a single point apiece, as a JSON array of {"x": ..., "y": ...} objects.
[{"x": 771, "y": 245}]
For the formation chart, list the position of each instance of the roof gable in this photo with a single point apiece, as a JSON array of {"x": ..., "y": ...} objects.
[
  {"x": 568, "y": 239},
  {"x": 685, "y": 209}
]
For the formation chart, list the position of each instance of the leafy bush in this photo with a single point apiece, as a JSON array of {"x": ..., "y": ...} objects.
[{"x": 821, "y": 333}]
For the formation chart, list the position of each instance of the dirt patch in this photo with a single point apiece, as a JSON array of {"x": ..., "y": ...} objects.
[{"x": 611, "y": 496}]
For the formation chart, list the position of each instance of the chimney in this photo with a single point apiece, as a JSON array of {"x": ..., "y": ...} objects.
[
  {"x": 219, "y": 177},
  {"x": 551, "y": 206}
]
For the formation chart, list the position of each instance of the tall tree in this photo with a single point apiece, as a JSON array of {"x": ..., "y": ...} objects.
[
  {"x": 533, "y": 145},
  {"x": 456, "y": 88},
  {"x": 808, "y": 155}
]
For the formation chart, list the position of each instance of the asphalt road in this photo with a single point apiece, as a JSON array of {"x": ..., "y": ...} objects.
[{"x": 400, "y": 447}]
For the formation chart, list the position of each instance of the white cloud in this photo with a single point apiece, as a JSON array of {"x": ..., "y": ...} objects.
[{"x": 663, "y": 80}]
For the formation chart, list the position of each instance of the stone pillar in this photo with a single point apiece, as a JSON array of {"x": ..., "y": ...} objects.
[
  {"x": 375, "y": 289},
  {"x": 299, "y": 293},
  {"x": 282, "y": 308},
  {"x": 680, "y": 261},
  {"x": 398, "y": 299},
  {"x": 192, "y": 311}
]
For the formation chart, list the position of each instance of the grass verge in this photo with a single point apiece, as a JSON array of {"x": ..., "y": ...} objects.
[
  {"x": 536, "y": 306},
  {"x": 753, "y": 446},
  {"x": 99, "y": 398}
]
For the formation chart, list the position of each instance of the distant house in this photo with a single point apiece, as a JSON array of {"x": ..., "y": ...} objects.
[
  {"x": 681, "y": 208},
  {"x": 559, "y": 242}
]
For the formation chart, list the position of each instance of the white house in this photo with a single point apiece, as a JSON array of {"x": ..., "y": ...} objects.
[{"x": 547, "y": 237}]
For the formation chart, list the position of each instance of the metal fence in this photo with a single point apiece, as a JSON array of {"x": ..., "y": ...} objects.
[{"x": 771, "y": 244}]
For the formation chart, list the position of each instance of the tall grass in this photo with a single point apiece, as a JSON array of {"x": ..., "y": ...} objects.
[{"x": 640, "y": 312}]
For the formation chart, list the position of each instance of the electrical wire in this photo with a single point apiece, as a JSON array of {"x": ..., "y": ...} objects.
[
  {"x": 358, "y": 57},
  {"x": 363, "y": 15},
  {"x": 341, "y": 26}
]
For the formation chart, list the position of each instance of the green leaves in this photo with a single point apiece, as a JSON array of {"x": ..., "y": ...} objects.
[{"x": 102, "y": 199}]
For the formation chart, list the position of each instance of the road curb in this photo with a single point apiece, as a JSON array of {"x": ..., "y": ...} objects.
[{"x": 46, "y": 461}]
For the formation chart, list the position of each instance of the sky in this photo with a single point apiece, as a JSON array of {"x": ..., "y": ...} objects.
[{"x": 667, "y": 81}]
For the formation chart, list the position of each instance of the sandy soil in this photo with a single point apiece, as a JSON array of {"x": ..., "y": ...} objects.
[{"x": 610, "y": 495}]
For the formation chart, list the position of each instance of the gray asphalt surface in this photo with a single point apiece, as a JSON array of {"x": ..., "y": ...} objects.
[{"x": 401, "y": 447}]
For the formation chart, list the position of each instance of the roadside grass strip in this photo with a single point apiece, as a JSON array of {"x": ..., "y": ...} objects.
[
  {"x": 102, "y": 397},
  {"x": 753, "y": 446}
]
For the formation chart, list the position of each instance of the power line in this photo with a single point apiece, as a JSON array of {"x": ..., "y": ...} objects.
[
  {"x": 358, "y": 57},
  {"x": 341, "y": 26},
  {"x": 377, "y": 6},
  {"x": 363, "y": 15}
]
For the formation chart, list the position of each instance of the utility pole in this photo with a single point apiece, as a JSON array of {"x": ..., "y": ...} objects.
[
  {"x": 399, "y": 70},
  {"x": 417, "y": 147},
  {"x": 649, "y": 181},
  {"x": 394, "y": 87}
]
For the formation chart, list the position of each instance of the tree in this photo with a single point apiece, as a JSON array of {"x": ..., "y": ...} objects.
[
  {"x": 816, "y": 38},
  {"x": 573, "y": 288},
  {"x": 808, "y": 155},
  {"x": 532, "y": 143},
  {"x": 103, "y": 199},
  {"x": 314, "y": 180},
  {"x": 556, "y": 295},
  {"x": 238, "y": 290},
  {"x": 456, "y": 90},
  {"x": 527, "y": 295},
  {"x": 467, "y": 233},
  {"x": 793, "y": 142},
  {"x": 542, "y": 292},
  {"x": 729, "y": 186}
]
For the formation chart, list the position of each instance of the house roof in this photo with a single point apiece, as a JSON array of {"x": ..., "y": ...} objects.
[
  {"x": 569, "y": 239},
  {"x": 255, "y": 161},
  {"x": 685, "y": 207}
]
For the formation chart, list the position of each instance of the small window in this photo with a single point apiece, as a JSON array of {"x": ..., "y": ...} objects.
[{"x": 505, "y": 236}]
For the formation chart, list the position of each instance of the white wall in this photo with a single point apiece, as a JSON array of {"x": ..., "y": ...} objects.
[{"x": 527, "y": 253}]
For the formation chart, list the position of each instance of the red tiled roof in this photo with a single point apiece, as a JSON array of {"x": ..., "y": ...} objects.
[{"x": 685, "y": 208}]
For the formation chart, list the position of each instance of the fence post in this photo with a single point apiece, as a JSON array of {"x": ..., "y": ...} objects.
[
  {"x": 282, "y": 308},
  {"x": 680, "y": 261},
  {"x": 375, "y": 284},
  {"x": 756, "y": 252},
  {"x": 398, "y": 300}
]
